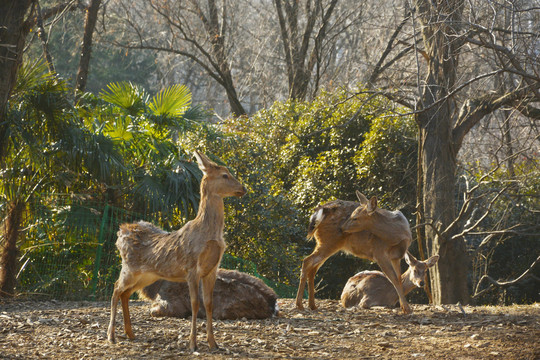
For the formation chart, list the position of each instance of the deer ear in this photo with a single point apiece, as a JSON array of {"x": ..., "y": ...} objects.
[
  {"x": 372, "y": 204},
  {"x": 409, "y": 259},
  {"x": 361, "y": 197},
  {"x": 203, "y": 161},
  {"x": 432, "y": 260}
]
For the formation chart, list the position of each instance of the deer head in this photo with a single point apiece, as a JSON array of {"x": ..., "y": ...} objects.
[
  {"x": 418, "y": 268},
  {"x": 362, "y": 216},
  {"x": 217, "y": 179}
]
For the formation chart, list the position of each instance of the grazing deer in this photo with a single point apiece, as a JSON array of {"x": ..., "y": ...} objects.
[
  {"x": 372, "y": 288},
  {"x": 360, "y": 229},
  {"x": 190, "y": 254},
  {"x": 237, "y": 295}
]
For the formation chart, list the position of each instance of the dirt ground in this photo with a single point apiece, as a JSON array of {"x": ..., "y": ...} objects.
[{"x": 77, "y": 330}]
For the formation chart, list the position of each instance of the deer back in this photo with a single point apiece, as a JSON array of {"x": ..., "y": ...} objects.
[
  {"x": 367, "y": 289},
  {"x": 326, "y": 226},
  {"x": 236, "y": 295},
  {"x": 148, "y": 249},
  {"x": 391, "y": 227}
]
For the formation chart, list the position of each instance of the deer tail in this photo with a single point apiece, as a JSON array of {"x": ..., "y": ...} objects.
[{"x": 314, "y": 222}]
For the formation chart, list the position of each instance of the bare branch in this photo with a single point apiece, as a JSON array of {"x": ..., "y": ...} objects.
[
  {"x": 473, "y": 110},
  {"x": 505, "y": 284},
  {"x": 378, "y": 67},
  {"x": 529, "y": 111}
]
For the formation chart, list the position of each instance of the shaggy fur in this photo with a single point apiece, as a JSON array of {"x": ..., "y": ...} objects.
[{"x": 237, "y": 295}]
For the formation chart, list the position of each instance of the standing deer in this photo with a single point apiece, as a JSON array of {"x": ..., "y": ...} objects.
[
  {"x": 237, "y": 295},
  {"x": 360, "y": 229},
  {"x": 191, "y": 254},
  {"x": 372, "y": 288}
]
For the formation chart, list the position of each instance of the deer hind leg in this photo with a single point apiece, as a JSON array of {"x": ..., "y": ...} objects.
[
  {"x": 120, "y": 287},
  {"x": 310, "y": 266},
  {"x": 112, "y": 323},
  {"x": 123, "y": 288},
  {"x": 208, "y": 283}
]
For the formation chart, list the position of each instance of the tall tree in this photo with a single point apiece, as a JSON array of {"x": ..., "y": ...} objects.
[
  {"x": 13, "y": 31},
  {"x": 444, "y": 122},
  {"x": 86, "y": 50},
  {"x": 461, "y": 51},
  {"x": 182, "y": 22},
  {"x": 303, "y": 47}
]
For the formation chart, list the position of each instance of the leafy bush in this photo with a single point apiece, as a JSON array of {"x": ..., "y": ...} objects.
[{"x": 296, "y": 155}]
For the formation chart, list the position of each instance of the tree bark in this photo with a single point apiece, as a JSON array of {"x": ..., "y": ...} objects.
[
  {"x": 439, "y": 153},
  {"x": 216, "y": 31},
  {"x": 12, "y": 38},
  {"x": 299, "y": 61},
  {"x": 10, "y": 252},
  {"x": 42, "y": 34},
  {"x": 86, "y": 50}
]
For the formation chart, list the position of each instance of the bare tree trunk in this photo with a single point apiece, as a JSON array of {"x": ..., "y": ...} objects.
[
  {"x": 86, "y": 50},
  {"x": 12, "y": 37},
  {"x": 9, "y": 251},
  {"x": 439, "y": 152},
  {"x": 296, "y": 42},
  {"x": 43, "y": 38},
  {"x": 449, "y": 278}
]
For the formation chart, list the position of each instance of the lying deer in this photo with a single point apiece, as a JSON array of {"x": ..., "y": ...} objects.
[
  {"x": 361, "y": 229},
  {"x": 191, "y": 254},
  {"x": 237, "y": 295},
  {"x": 372, "y": 288}
]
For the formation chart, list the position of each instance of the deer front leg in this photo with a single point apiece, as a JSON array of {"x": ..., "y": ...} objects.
[
  {"x": 208, "y": 283},
  {"x": 311, "y": 286},
  {"x": 388, "y": 268},
  {"x": 125, "y": 311},
  {"x": 193, "y": 284},
  {"x": 396, "y": 264}
]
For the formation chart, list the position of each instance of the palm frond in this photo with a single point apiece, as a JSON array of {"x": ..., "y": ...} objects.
[
  {"x": 125, "y": 95},
  {"x": 119, "y": 128},
  {"x": 172, "y": 101},
  {"x": 29, "y": 76},
  {"x": 196, "y": 113}
]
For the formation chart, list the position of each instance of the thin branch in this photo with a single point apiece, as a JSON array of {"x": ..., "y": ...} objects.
[
  {"x": 499, "y": 49},
  {"x": 378, "y": 67},
  {"x": 473, "y": 110},
  {"x": 505, "y": 284},
  {"x": 529, "y": 111},
  {"x": 477, "y": 223}
]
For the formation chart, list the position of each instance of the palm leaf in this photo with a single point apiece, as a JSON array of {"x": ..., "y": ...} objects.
[
  {"x": 126, "y": 96},
  {"x": 30, "y": 76},
  {"x": 172, "y": 101},
  {"x": 119, "y": 129},
  {"x": 196, "y": 113}
]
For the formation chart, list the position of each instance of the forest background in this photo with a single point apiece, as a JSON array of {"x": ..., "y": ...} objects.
[{"x": 430, "y": 106}]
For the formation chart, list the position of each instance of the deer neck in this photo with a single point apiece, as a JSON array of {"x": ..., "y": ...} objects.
[
  {"x": 211, "y": 213},
  {"x": 406, "y": 282}
]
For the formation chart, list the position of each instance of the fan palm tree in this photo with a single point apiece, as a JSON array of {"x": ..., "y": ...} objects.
[
  {"x": 118, "y": 147},
  {"x": 47, "y": 151},
  {"x": 161, "y": 177}
]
